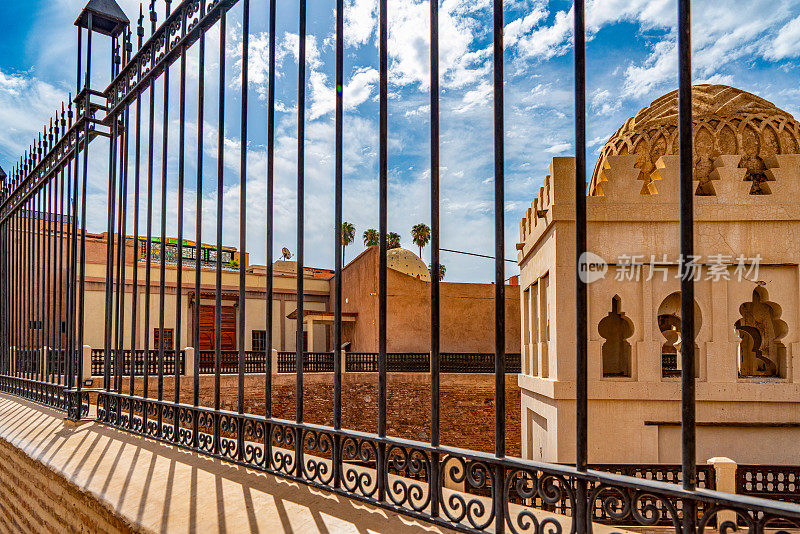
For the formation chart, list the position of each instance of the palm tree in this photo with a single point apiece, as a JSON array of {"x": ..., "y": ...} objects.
[
  {"x": 371, "y": 237},
  {"x": 442, "y": 270},
  {"x": 393, "y": 240},
  {"x": 348, "y": 235},
  {"x": 421, "y": 235}
]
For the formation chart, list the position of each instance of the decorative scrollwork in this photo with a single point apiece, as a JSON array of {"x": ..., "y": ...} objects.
[
  {"x": 408, "y": 463},
  {"x": 254, "y": 431},
  {"x": 228, "y": 424},
  {"x": 205, "y": 426},
  {"x": 475, "y": 476},
  {"x": 282, "y": 439},
  {"x": 639, "y": 507},
  {"x": 359, "y": 479},
  {"x": 525, "y": 486},
  {"x": 314, "y": 467}
]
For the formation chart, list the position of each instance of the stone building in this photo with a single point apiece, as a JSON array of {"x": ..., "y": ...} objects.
[
  {"x": 467, "y": 309},
  {"x": 747, "y": 290}
]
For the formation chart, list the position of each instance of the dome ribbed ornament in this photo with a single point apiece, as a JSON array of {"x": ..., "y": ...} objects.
[{"x": 727, "y": 121}]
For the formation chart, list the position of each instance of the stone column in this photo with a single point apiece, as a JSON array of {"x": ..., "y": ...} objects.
[
  {"x": 344, "y": 361},
  {"x": 543, "y": 349},
  {"x": 310, "y": 331},
  {"x": 188, "y": 361},
  {"x": 86, "y": 362},
  {"x": 725, "y": 474},
  {"x": 274, "y": 362}
]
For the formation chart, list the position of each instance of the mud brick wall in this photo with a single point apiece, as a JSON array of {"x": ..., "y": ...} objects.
[{"x": 36, "y": 500}]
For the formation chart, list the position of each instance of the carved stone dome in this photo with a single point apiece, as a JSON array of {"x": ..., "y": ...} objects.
[
  {"x": 727, "y": 121},
  {"x": 406, "y": 262}
]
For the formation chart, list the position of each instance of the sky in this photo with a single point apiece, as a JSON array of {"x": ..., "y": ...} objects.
[{"x": 631, "y": 60}]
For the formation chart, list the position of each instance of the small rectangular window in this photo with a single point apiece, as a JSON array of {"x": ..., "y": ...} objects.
[
  {"x": 168, "y": 339},
  {"x": 259, "y": 340}
]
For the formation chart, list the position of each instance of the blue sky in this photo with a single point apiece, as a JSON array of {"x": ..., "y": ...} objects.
[{"x": 753, "y": 45}]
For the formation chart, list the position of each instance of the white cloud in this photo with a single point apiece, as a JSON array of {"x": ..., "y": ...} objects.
[
  {"x": 545, "y": 42},
  {"x": 360, "y": 17},
  {"x": 480, "y": 96},
  {"x": 605, "y": 103},
  {"x": 26, "y": 105},
  {"x": 558, "y": 148},
  {"x": 786, "y": 43}
]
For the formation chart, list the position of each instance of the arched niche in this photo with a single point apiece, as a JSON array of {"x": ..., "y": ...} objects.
[
  {"x": 760, "y": 330},
  {"x": 668, "y": 318},
  {"x": 615, "y": 328}
]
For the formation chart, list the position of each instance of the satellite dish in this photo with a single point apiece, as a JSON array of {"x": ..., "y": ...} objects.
[{"x": 286, "y": 254}]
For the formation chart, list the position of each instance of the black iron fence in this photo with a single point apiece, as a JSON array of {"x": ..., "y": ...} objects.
[
  {"x": 43, "y": 269},
  {"x": 254, "y": 362},
  {"x": 313, "y": 362},
  {"x": 151, "y": 361},
  {"x": 450, "y": 362},
  {"x": 778, "y": 482}
]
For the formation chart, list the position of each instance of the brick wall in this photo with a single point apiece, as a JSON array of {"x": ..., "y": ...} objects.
[
  {"x": 467, "y": 403},
  {"x": 36, "y": 500}
]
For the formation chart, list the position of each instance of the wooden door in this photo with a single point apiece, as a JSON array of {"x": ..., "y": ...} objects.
[{"x": 227, "y": 328}]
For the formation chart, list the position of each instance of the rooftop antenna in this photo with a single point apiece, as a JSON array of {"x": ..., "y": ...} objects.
[{"x": 287, "y": 255}]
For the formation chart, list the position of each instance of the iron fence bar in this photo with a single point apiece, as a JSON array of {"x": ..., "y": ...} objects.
[
  {"x": 36, "y": 275},
  {"x": 26, "y": 331},
  {"x": 149, "y": 223},
  {"x": 382, "y": 249},
  {"x": 14, "y": 240},
  {"x": 39, "y": 292},
  {"x": 270, "y": 245},
  {"x": 10, "y": 260},
  {"x": 38, "y": 266},
  {"x": 499, "y": 285},
  {"x": 301, "y": 112},
  {"x": 136, "y": 192},
  {"x": 243, "y": 218},
  {"x": 201, "y": 59},
  {"x": 28, "y": 342},
  {"x": 435, "y": 486},
  {"x": 33, "y": 276},
  {"x": 218, "y": 285},
  {"x": 243, "y": 200},
  {"x": 688, "y": 429},
  {"x": 60, "y": 262},
  {"x": 48, "y": 274},
  {"x": 338, "y": 251},
  {"x": 163, "y": 250},
  {"x": 109, "y": 300},
  {"x": 178, "y": 341},
  {"x": 123, "y": 242},
  {"x": 5, "y": 347},
  {"x": 117, "y": 351},
  {"x": 16, "y": 288},
  {"x": 581, "y": 303},
  {"x": 26, "y": 339},
  {"x": 72, "y": 277},
  {"x": 24, "y": 276}
]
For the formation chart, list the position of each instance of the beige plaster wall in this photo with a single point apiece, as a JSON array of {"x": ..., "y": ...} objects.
[
  {"x": 624, "y": 222},
  {"x": 466, "y": 311}
]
